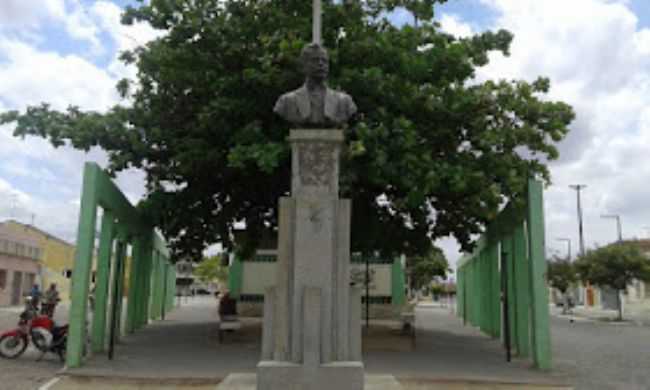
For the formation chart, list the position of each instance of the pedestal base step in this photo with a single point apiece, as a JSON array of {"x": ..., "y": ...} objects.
[{"x": 249, "y": 382}]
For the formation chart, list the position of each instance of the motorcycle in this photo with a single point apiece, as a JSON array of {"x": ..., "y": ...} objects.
[{"x": 40, "y": 329}]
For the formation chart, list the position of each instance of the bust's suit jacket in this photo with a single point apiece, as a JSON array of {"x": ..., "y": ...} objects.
[{"x": 295, "y": 106}]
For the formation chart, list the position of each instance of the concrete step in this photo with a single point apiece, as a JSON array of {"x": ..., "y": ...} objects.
[{"x": 247, "y": 382}]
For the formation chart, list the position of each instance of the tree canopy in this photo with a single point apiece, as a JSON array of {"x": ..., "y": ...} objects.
[
  {"x": 615, "y": 266},
  {"x": 422, "y": 269},
  {"x": 561, "y": 274},
  {"x": 211, "y": 269},
  {"x": 433, "y": 151}
]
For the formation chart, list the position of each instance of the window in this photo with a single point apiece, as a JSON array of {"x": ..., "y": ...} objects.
[
  {"x": 3, "y": 279},
  {"x": 28, "y": 282}
]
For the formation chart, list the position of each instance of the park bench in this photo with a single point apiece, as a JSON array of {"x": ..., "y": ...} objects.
[
  {"x": 227, "y": 323},
  {"x": 407, "y": 320}
]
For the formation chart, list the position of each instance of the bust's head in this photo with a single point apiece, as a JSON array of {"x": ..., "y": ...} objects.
[{"x": 315, "y": 62}]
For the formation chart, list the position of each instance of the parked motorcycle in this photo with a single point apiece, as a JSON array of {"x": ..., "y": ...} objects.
[{"x": 40, "y": 329}]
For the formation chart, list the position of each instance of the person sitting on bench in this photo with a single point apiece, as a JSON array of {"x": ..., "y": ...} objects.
[{"x": 227, "y": 308}]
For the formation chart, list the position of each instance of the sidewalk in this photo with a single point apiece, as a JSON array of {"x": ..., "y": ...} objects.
[
  {"x": 183, "y": 352},
  {"x": 633, "y": 313}
]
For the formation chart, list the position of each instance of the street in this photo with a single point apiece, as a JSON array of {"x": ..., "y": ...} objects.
[
  {"x": 592, "y": 355},
  {"x": 602, "y": 356},
  {"x": 25, "y": 373}
]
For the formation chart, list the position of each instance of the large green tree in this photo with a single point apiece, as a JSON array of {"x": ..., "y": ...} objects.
[
  {"x": 562, "y": 274},
  {"x": 422, "y": 269},
  {"x": 439, "y": 149},
  {"x": 615, "y": 266},
  {"x": 212, "y": 269}
]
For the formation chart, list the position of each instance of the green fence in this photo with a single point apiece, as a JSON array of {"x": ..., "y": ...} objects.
[
  {"x": 150, "y": 275},
  {"x": 505, "y": 278}
]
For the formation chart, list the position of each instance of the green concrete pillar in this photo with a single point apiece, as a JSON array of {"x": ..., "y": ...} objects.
[
  {"x": 118, "y": 285},
  {"x": 476, "y": 297},
  {"x": 146, "y": 284},
  {"x": 154, "y": 286},
  {"x": 134, "y": 282},
  {"x": 495, "y": 289},
  {"x": 235, "y": 277},
  {"x": 164, "y": 282},
  {"x": 141, "y": 306},
  {"x": 541, "y": 340},
  {"x": 506, "y": 248},
  {"x": 102, "y": 281},
  {"x": 171, "y": 289},
  {"x": 460, "y": 296},
  {"x": 157, "y": 287},
  {"x": 397, "y": 282},
  {"x": 114, "y": 309},
  {"x": 483, "y": 322},
  {"x": 522, "y": 291},
  {"x": 82, "y": 267}
]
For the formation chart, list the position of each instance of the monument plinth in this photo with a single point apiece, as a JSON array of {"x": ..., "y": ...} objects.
[{"x": 312, "y": 329}]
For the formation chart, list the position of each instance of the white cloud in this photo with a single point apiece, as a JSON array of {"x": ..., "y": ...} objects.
[
  {"x": 79, "y": 25},
  {"x": 23, "y": 14},
  {"x": 108, "y": 16},
  {"x": 453, "y": 25},
  {"x": 597, "y": 58},
  {"x": 50, "y": 179},
  {"x": 29, "y": 76}
]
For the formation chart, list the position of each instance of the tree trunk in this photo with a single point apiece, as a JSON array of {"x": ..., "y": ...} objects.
[
  {"x": 565, "y": 305},
  {"x": 620, "y": 305}
]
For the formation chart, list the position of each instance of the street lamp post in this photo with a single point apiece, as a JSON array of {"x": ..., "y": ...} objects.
[
  {"x": 568, "y": 241},
  {"x": 578, "y": 188},
  {"x": 618, "y": 224}
]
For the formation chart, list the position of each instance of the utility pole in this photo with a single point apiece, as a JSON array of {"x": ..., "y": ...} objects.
[
  {"x": 581, "y": 241},
  {"x": 568, "y": 241},
  {"x": 618, "y": 224},
  {"x": 578, "y": 188}
]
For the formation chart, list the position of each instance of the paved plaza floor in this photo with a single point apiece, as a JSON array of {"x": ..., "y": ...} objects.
[{"x": 183, "y": 350}]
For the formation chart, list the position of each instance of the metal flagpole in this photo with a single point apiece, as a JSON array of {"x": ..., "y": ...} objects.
[{"x": 317, "y": 21}]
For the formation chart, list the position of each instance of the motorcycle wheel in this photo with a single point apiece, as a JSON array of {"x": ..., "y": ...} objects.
[
  {"x": 12, "y": 346},
  {"x": 42, "y": 339},
  {"x": 62, "y": 349}
]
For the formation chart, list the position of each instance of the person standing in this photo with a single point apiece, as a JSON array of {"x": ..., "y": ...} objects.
[
  {"x": 35, "y": 295},
  {"x": 51, "y": 299}
]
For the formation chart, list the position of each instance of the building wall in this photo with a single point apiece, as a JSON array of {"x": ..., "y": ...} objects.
[
  {"x": 19, "y": 266},
  {"x": 57, "y": 256},
  {"x": 12, "y": 267},
  {"x": 380, "y": 276},
  {"x": 250, "y": 277}
]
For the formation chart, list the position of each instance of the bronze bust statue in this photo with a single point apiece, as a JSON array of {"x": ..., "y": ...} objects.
[{"x": 314, "y": 105}]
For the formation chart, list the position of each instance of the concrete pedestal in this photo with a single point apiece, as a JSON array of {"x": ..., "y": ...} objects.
[{"x": 312, "y": 330}]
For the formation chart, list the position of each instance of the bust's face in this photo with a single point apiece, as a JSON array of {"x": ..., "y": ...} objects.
[{"x": 316, "y": 65}]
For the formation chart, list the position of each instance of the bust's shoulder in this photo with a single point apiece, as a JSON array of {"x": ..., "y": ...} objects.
[
  {"x": 341, "y": 98},
  {"x": 296, "y": 92},
  {"x": 339, "y": 95}
]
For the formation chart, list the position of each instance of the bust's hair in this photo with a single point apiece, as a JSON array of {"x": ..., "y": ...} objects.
[{"x": 311, "y": 49}]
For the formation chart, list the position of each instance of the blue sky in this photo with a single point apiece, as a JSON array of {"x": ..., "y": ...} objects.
[{"x": 596, "y": 53}]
